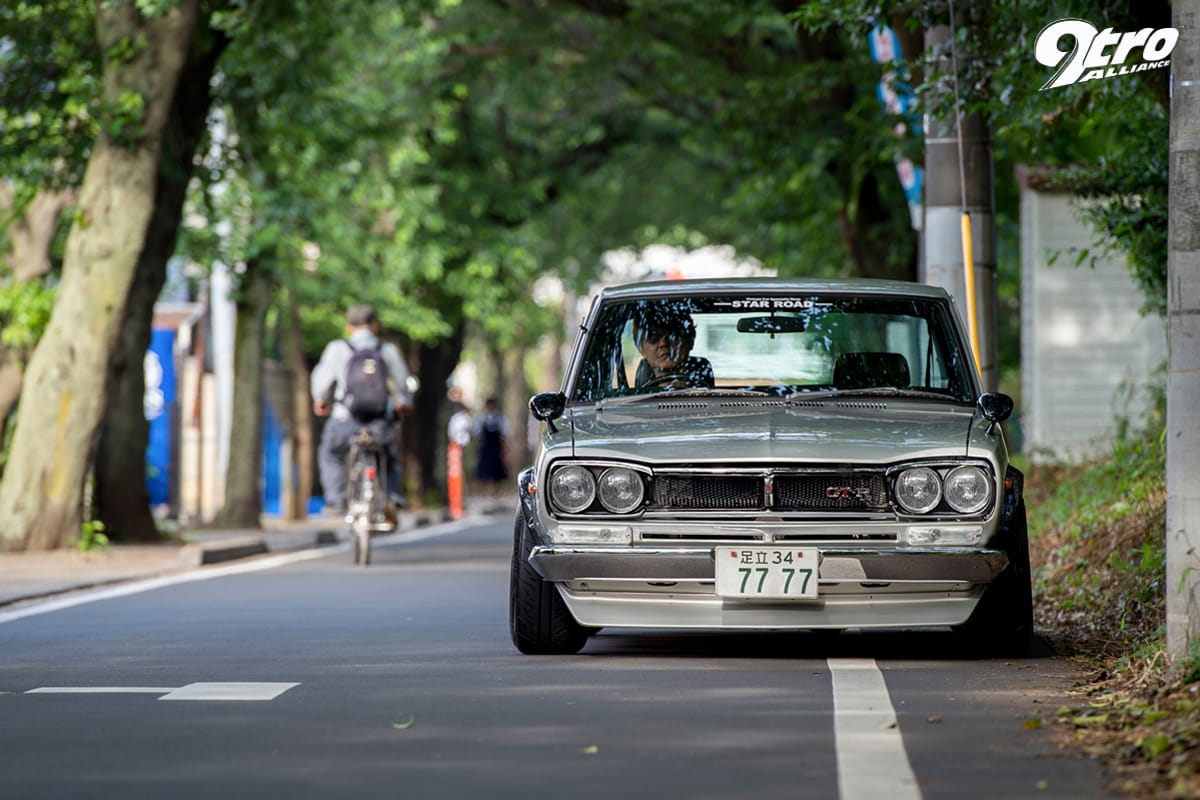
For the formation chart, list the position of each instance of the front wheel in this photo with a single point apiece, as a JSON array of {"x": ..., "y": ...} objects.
[
  {"x": 539, "y": 620},
  {"x": 362, "y": 543},
  {"x": 1002, "y": 623}
]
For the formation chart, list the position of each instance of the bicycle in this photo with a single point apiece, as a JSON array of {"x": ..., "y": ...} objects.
[{"x": 367, "y": 508}]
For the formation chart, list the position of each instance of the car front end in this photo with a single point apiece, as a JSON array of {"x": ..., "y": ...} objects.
[{"x": 774, "y": 498}]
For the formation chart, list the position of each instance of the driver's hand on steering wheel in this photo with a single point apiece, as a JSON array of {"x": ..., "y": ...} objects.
[{"x": 659, "y": 383}]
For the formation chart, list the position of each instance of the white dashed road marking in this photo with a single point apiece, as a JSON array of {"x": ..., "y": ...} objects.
[
  {"x": 193, "y": 691},
  {"x": 871, "y": 759}
]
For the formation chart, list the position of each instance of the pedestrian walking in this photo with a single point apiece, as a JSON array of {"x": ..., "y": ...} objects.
[{"x": 492, "y": 433}]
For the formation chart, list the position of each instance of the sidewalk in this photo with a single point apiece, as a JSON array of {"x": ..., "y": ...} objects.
[{"x": 27, "y": 576}]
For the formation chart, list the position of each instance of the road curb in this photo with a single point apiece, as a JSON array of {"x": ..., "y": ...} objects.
[
  {"x": 200, "y": 548},
  {"x": 216, "y": 551},
  {"x": 198, "y": 554}
]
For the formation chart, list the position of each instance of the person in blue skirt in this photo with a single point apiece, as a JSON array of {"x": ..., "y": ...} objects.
[{"x": 491, "y": 435}]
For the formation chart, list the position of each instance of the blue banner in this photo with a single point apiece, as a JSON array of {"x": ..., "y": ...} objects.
[
  {"x": 156, "y": 405},
  {"x": 897, "y": 98}
]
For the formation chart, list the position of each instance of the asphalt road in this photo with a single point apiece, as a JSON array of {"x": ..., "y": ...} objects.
[{"x": 321, "y": 679}]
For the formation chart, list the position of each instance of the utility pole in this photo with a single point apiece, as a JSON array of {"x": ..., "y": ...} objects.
[
  {"x": 958, "y": 180},
  {"x": 1183, "y": 339}
]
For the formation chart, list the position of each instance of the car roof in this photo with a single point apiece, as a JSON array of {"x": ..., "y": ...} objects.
[{"x": 701, "y": 286}]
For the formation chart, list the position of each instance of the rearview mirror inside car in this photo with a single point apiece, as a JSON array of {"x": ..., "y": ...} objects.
[{"x": 771, "y": 324}]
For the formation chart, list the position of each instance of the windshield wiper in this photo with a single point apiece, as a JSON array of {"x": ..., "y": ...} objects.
[
  {"x": 691, "y": 391},
  {"x": 705, "y": 391},
  {"x": 887, "y": 391}
]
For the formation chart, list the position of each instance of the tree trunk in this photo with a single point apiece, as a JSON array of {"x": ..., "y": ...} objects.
[
  {"x": 64, "y": 394},
  {"x": 871, "y": 236},
  {"x": 302, "y": 428},
  {"x": 31, "y": 234},
  {"x": 11, "y": 376},
  {"x": 243, "y": 492},
  {"x": 121, "y": 499},
  {"x": 1183, "y": 342},
  {"x": 425, "y": 430},
  {"x": 514, "y": 402}
]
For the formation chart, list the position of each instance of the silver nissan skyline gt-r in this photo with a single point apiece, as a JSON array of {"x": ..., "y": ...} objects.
[{"x": 770, "y": 454}]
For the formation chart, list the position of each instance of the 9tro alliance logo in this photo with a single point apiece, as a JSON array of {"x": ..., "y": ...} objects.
[{"x": 1100, "y": 54}]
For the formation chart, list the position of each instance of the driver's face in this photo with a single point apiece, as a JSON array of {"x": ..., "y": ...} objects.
[{"x": 662, "y": 349}]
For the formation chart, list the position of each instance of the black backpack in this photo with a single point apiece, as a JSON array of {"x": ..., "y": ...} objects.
[{"x": 366, "y": 384}]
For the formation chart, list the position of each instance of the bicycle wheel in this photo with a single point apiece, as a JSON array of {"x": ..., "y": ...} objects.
[
  {"x": 362, "y": 542},
  {"x": 365, "y": 489}
]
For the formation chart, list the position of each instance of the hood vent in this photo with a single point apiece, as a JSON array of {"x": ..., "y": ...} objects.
[
  {"x": 753, "y": 403},
  {"x": 862, "y": 405}
]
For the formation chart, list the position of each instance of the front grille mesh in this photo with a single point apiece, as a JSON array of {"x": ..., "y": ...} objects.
[
  {"x": 796, "y": 493},
  {"x": 707, "y": 493},
  {"x": 830, "y": 492}
]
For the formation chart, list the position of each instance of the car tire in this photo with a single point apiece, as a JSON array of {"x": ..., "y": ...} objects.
[
  {"x": 539, "y": 620},
  {"x": 1002, "y": 623}
]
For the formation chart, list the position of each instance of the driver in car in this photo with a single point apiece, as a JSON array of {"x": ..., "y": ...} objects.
[{"x": 664, "y": 335}]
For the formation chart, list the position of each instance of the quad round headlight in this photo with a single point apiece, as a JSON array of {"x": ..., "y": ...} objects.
[
  {"x": 572, "y": 489},
  {"x": 918, "y": 490},
  {"x": 621, "y": 490},
  {"x": 968, "y": 489}
]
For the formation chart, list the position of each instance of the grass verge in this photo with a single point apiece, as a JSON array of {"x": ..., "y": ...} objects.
[{"x": 1097, "y": 543}]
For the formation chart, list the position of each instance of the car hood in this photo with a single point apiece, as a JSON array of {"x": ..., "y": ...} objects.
[{"x": 748, "y": 432}]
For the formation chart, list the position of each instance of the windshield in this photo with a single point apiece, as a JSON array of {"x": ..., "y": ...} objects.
[{"x": 778, "y": 345}]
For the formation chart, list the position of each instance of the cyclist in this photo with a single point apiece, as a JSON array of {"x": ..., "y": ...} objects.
[{"x": 340, "y": 383}]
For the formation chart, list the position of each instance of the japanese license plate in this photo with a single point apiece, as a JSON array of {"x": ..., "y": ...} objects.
[{"x": 767, "y": 572}]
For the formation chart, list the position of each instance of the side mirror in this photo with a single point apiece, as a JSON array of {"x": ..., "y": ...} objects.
[
  {"x": 547, "y": 407},
  {"x": 995, "y": 407}
]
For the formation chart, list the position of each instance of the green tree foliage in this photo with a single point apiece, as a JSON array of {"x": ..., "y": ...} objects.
[
  {"x": 436, "y": 157},
  {"x": 1104, "y": 139},
  {"x": 50, "y": 106},
  {"x": 698, "y": 122}
]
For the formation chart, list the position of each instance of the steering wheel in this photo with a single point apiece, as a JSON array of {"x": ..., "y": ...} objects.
[{"x": 662, "y": 381}]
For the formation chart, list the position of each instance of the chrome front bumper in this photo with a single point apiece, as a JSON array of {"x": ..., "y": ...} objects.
[
  {"x": 598, "y": 563},
  {"x": 621, "y": 586}
]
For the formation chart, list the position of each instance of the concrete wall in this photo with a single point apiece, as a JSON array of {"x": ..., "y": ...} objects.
[{"x": 1083, "y": 342}]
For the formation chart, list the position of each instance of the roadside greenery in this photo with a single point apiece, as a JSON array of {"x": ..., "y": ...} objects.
[
  {"x": 1100, "y": 533},
  {"x": 1098, "y": 547}
]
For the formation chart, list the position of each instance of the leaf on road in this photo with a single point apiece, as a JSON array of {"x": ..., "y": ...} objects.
[
  {"x": 1155, "y": 746},
  {"x": 408, "y": 723},
  {"x": 934, "y": 720},
  {"x": 1033, "y": 724},
  {"x": 590, "y": 750},
  {"x": 1096, "y": 720}
]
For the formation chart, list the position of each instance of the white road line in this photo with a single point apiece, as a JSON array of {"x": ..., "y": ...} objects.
[
  {"x": 871, "y": 759},
  {"x": 241, "y": 691},
  {"x": 205, "y": 573},
  {"x": 101, "y": 690},
  {"x": 229, "y": 691}
]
